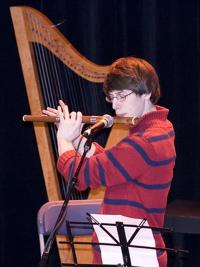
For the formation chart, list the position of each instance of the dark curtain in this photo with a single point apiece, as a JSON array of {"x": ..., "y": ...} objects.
[{"x": 166, "y": 33}]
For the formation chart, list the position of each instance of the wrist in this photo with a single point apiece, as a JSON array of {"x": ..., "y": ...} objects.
[
  {"x": 64, "y": 146},
  {"x": 76, "y": 141}
]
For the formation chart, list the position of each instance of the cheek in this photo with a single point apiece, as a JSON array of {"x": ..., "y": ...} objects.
[
  {"x": 136, "y": 107},
  {"x": 135, "y": 104}
]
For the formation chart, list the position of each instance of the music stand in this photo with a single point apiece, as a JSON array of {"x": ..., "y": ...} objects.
[{"x": 123, "y": 242}]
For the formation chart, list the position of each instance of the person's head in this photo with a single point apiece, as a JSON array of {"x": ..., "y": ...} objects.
[{"x": 132, "y": 86}]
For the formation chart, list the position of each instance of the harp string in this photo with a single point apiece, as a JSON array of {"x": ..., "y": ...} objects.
[
  {"x": 39, "y": 52},
  {"x": 42, "y": 62},
  {"x": 43, "y": 72},
  {"x": 72, "y": 85},
  {"x": 53, "y": 89},
  {"x": 58, "y": 89}
]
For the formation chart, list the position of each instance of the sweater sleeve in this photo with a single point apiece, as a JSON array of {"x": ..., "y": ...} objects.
[
  {"x": 119, "y": 164},
  {"x": 98, "y": 148}
]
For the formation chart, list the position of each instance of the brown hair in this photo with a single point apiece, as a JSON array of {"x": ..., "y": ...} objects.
[{"x": 134, "y": 74}]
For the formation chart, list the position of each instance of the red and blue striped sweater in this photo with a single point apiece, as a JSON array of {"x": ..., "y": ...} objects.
[{"x": 137, "y": 172}]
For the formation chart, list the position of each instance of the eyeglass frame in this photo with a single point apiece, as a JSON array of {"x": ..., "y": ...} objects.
[{"x": 120, "y": 98}]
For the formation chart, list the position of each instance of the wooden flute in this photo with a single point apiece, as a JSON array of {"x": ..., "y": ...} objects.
[{"x": 85, "y": 119}]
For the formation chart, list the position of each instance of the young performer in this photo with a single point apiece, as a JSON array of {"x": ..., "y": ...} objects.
[{"x": 136, "y": 172}]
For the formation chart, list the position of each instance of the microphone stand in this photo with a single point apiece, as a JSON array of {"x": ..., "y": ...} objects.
[{"x": 72, "y": 182}]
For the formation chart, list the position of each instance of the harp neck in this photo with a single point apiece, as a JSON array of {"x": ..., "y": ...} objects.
[{"x": 40, "y": 30}]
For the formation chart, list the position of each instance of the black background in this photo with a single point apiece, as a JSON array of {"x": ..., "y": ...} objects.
[{"x": 166, "y": 33}]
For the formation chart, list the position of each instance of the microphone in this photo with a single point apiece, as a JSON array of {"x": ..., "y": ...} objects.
[{"x": 105, "y": 122}]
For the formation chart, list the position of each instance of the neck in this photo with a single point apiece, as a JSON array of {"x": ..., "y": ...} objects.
[{"x": 149, "y": 107}]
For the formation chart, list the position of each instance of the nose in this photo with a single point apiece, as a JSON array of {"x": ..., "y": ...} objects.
[{"x": 114, "y": 103}]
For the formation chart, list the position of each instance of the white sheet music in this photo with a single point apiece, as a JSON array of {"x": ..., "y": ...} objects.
[{"x": 113, "y": 255}]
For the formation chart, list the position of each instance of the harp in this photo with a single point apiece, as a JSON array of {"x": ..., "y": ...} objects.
[{"x": 42, "y": 48}]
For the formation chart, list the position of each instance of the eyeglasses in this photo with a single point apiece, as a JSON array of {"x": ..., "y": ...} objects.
[{"x": 120, "y": 98}]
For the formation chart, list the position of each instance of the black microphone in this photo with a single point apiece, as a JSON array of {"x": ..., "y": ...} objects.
[{"x": 105, "y": 122}]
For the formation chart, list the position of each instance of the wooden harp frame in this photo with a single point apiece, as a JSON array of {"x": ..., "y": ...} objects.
[{"x": 26, "y": 34}]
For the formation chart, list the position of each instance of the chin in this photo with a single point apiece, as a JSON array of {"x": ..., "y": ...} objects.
[{"x": 120, "y": 114}]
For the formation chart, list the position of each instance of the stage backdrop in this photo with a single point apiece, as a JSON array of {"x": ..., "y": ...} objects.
[{"x": 166, "y": 33}]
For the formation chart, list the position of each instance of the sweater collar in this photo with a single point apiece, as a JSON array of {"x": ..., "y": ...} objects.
[{"x": 150, "y": 118}]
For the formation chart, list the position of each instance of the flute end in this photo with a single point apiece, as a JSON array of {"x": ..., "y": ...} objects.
[{"x": 24, "y": 118}]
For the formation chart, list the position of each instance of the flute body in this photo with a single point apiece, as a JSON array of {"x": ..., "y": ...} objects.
[{"x": 85, "y": 119}]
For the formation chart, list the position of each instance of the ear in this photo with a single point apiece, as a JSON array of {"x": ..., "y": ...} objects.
[{"x": 146, "y": 96}]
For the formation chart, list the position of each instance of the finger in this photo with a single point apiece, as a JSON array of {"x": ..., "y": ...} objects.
[
  {"x": 73, "y": 115},
  {"x": 61, "y": 102},
  {"x": 53, "y": 110},
  {"x": 79, "y": 116},
  {"x": 49, "y": 113},
  {"x": 44, "y": 111},
  {"x": 60, "y": 113},
  {"x": 64, "y": 109},
  {"x": 79, "y": 120}
]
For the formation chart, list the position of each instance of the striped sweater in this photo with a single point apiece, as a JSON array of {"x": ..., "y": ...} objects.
[{"x": 137, "y": 172}]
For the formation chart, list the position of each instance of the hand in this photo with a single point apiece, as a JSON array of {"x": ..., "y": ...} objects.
[{"x": 70, "y": 125}]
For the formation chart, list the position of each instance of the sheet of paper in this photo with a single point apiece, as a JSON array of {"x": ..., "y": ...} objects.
[{"x": 113, "y": 255}]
